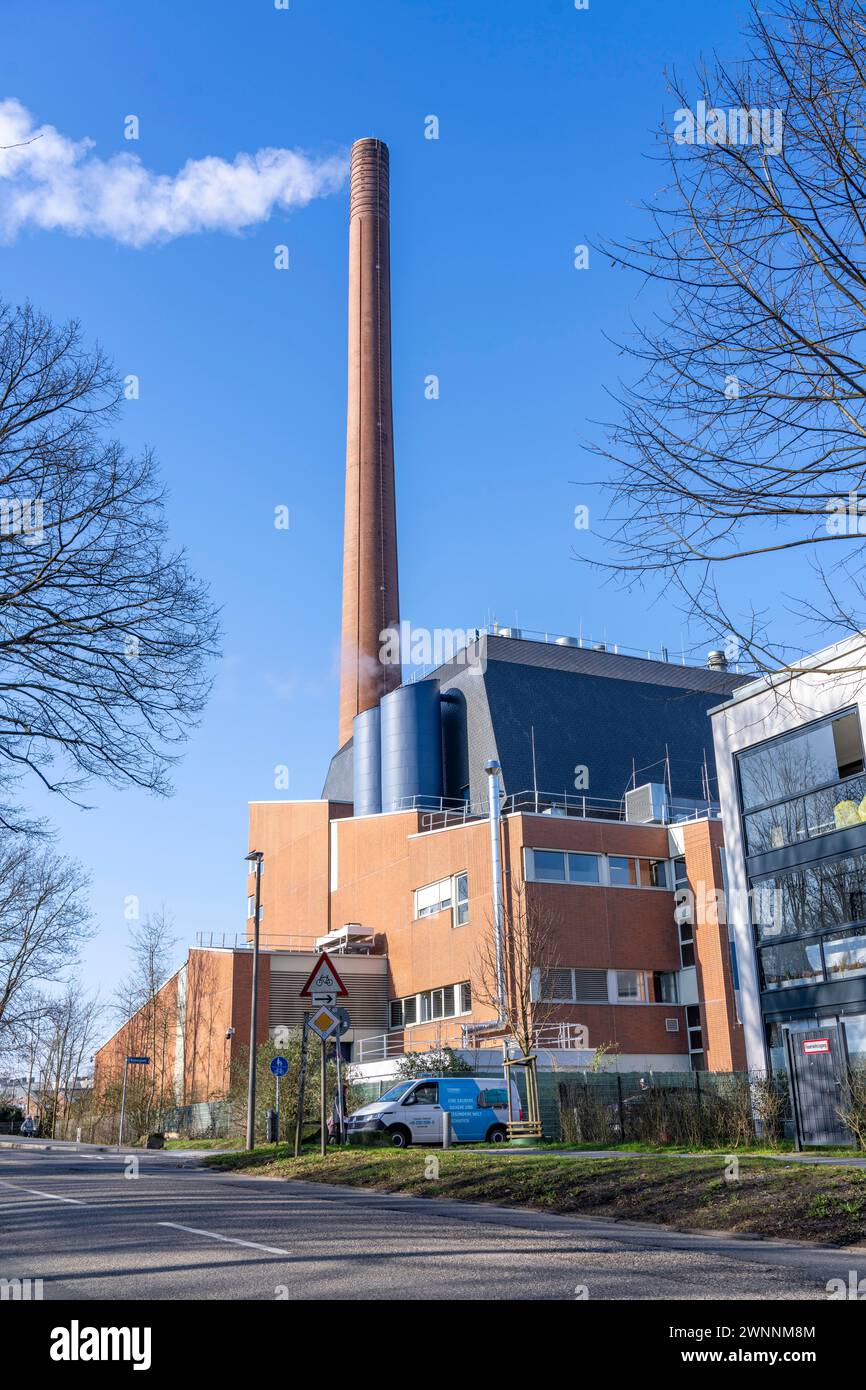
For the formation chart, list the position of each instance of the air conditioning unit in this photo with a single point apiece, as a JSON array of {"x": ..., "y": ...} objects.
[{"x": 647, "y": 804}]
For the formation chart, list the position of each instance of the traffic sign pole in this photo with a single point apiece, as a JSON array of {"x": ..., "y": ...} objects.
[
  {"x": 302, "y": 1087},
  {"x": 324, "y": 1106}
]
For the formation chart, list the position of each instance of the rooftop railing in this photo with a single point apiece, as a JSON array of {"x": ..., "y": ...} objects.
[
  {"x": 268, "y": 941},
  {"x": 443, "y": 813}
]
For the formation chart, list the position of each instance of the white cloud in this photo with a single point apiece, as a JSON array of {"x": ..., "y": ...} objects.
[{"x": 52, "y": 182}]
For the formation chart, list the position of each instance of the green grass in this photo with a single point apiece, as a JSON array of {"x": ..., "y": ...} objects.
[
  {"x": 204, "y": 1143},
  {"x": 636, "y": 1146},
  {"x": 789, "y": 1201}
]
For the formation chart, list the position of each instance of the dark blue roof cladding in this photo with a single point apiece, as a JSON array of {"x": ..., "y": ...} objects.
[{"x": 599, "y": 722}]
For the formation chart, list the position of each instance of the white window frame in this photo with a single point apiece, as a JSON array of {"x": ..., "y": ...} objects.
[
  {"x": 603, "y": 860},
  {"x": 446, "y": 902},
  {"x": 428, "y": 994}
]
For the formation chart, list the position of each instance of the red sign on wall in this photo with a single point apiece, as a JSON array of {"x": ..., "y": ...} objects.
[{"x": 811, "y": 1045}]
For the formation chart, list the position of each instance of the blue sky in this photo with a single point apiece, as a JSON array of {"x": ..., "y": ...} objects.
[{"x": 546, "y": 127}]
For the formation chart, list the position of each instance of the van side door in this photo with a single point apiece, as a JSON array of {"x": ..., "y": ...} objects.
[{"x": 423, "y": 1113}]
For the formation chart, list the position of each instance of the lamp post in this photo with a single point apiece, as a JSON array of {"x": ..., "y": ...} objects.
[
  {"x": 254, "y": 857},
  {"x": 494, "y": 772}
]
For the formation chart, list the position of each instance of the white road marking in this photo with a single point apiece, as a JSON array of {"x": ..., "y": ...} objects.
[
  {"x": 230, "y": 1240},
  {"x": 49, "y": 1196}
]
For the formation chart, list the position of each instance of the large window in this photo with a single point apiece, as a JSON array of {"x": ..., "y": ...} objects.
[
  {"x": 432, "y": 1004},
  {"x": 816, "y": 898},
  {"x": 808, "y": 783},
  {"x": 600, "y": 986},
  {"x": 616, "y": 870}
]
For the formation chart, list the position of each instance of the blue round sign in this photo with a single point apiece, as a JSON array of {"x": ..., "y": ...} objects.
[{"x": 279, "y": 1066}]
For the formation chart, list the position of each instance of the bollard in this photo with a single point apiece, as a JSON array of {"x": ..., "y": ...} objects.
[{"x": 446, "y": 1129}]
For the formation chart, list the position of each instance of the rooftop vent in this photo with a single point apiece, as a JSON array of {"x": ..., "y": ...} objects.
[
  {"x": 647, "y": 805},
  {"x": 717, "y": 661},
  {"x": 567, "y": 642}
]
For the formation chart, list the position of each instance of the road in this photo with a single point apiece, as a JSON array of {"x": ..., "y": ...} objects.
[{"x": 176, "y": 1231}]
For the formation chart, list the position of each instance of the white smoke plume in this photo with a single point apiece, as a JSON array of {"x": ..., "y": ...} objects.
[{"x": 51, "y": 182}]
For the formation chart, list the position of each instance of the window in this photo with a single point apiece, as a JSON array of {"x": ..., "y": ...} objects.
[
  {"x": 664, "y": 987},
  {"x": 623, "y": 871},
  {"x": 444, "y": 1002},
  {"x": 801, "y": 761},
  {"x": 810, "y": 783},
  {"x": 548, "y": 866},
  {"x": 805, "y": 901},
  {"x": 557, "y": 985},
  {"x": 631, "y": 987},
  {"x": 696, "y": 1036},
  {"x": 845, "y": 955},
  {"x": 796, "y": 963},
  {"x": 461, "y": 900},
  {"x": 435, "y": 897},
  {"x": 681, "y": 877},
  {"x": 493, "y": 1099},
  {"x": 583, "y": 868},
  {"x": 425, "y": 1094},
  {"x": 556, "y": 866},
  {"x": 251, "y": 908},
  {"x": 446, "y": 893},
  {"x": 653, "y": 873},
  {"x": 590, "y": 986}
]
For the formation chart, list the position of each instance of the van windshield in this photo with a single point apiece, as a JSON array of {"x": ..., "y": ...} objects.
[{"x": 397, "y": 1091}]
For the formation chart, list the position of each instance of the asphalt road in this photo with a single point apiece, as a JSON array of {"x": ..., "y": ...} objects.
[{"x": 175, "y": 1231}]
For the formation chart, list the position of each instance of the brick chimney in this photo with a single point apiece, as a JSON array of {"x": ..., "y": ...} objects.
[{"x": 370, "y": 594}]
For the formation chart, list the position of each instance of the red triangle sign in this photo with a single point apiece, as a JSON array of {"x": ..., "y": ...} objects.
[{"x": 323, "y": 977}]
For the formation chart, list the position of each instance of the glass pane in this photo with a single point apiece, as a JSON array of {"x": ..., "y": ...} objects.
[
  {"x": 810, "y": 900},
  {"x": 800, "y": 762},
  {"x": 622, "y": 871},
  {"x": 410, "y": 1010},
  {"x": 466, "y": 998},
  {"x": 797, "y": 963},
  {"x": 549, "y": 865},
  {"x": 845, "y": 956},
  {"x": 396, "y": 1013},
  {"x": 631, "y": 985},
  {"x": 855, "y": 1036},
  {"x": 583, "y": 868}
]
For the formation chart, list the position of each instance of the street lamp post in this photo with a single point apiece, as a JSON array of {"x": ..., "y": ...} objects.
[{"x": 254, "y": 857}]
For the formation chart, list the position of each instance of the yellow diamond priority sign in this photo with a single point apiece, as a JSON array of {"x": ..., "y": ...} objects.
[{"x": 323, "y": 1021}]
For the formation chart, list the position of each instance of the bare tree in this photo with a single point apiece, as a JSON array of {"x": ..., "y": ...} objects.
[
  {"x": 105, "y": 636},
  {"x": 742, "y": 435},
  {"x": 44, "y": 920},
  {"x": 148, "y": 1005},
  {"x": 530, "y": 932}
]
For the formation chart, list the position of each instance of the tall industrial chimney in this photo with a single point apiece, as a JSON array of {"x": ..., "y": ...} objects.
[{"x": 371, "y": 601}]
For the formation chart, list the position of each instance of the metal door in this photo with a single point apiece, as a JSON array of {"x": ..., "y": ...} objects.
[{"x": 818, "y": 1067}]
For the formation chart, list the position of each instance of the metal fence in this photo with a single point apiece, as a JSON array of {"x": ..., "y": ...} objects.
[{"x": 688, "y": 1108}]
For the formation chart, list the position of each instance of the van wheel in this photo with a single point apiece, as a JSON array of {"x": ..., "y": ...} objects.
[
  {"x": 400, "y": 1137},
  {"x": 497, "y": 1134}
]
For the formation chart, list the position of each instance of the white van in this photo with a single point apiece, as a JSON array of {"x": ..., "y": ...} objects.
[{"x": 411, "y": 1112}]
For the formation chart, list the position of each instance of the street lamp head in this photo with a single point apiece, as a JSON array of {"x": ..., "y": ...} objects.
[
  {"x": 255, "y": 856},
  {"x": 492, "y": 768}
]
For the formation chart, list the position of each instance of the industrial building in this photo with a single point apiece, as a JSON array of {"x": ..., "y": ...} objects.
[{"x": 526, "y": 774}]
